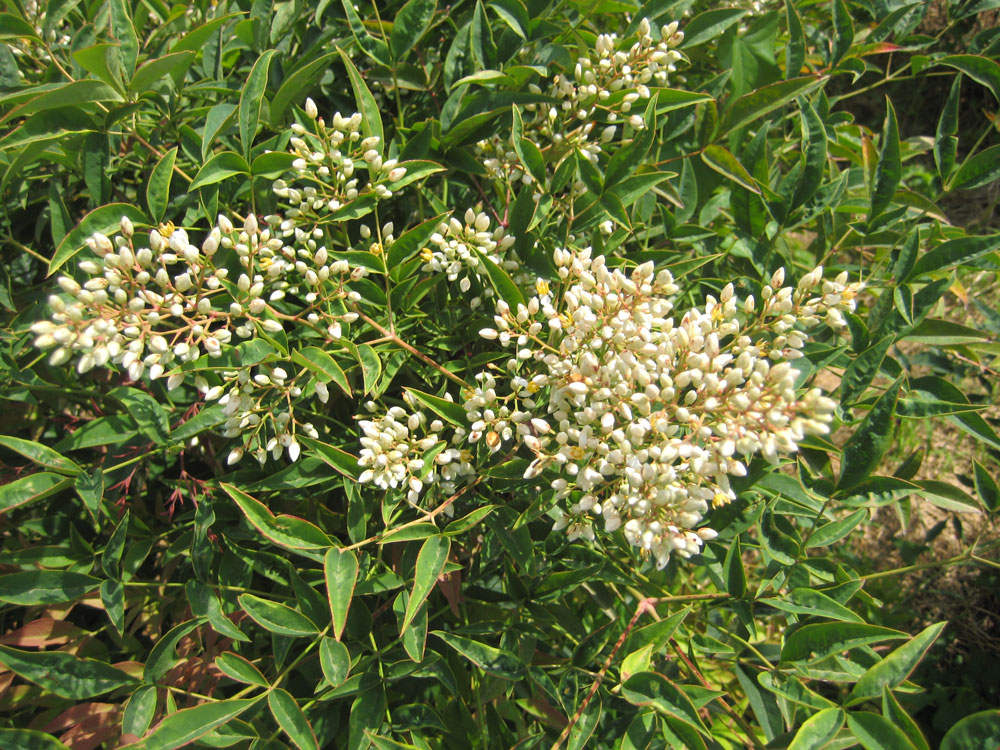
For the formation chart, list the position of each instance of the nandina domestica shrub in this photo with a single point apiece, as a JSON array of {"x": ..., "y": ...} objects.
[{"x": 506, "y": 374}]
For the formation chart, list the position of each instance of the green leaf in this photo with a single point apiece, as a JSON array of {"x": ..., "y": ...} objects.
[
  {"x": 430, "y": 563},
  {"x": 955, "y": 252},
  {"x": 28, "y": 739},
  {"x": 629, "y": 190},
  {"x": 946, "y": 140},
  {"x": 90, "y": 488},
  {"x": 272, "y": 164},
  {"x": 103, "y": 61},
  {"x": 505, "y": 288},
  {"x": 293, "y": 85},
  {"x": 410, "y": 24},
  {"x": 174, "y": 65},
  {"x": 147, "y": 412},
  {"x": 736, "y": 577},
  {"x": 447, "y": 410},
  {"x": 277, "y": 618},
  {"x": 526, "y": 149},
  {"x": 291, "y": 719},
  {"x": 251, "y": 97},
  {"x": 978, "y": 170},
  {"x": 220, "y": 167},
  {"x": 814, "y": 153},
  {"x": 980, "y": 731},
  {"x": 41, "y": 455},
  {"x": 409, "y": 533},
  {"x": 875, "y": 732},
  {"x": 810, "y": 602},
  {"x": 413, "y": 240},
  {"x": 112, "y": 555},
  {"x": 495, "y": 661},
  {"x": 139, "y": 711},
  {"x": 946, "y": 495},
  {"x": 158, "y": 189},
  {"x": 791, "y": 688},
  {"x": 31, "y": 587},
  {"x": 286, "y": 531},
  {"x": 818, "y": 730},
  {"x": 371, "y": 365},
  {"x": 897, "y": 666},
  {"x": 188, "y": 724},
  {"x": 869, "y": 443},
  {"x": 585, "y": 725},
  {"x": 113, "y": 599},
  {"x": 30, "y": 488},
  {"x": 894, "y": 712},
  {"x": 461, "y": 525},
  {"x": 12, "y": 27},
  {"x": 123, "y": 30},
  {"x": 835, "y": 530},
  {"x": 652, "y": 689},
  {"x": 371, "y": 123},
  {"x": 795, "y": 49},
  {"x": 986, "y": 487},
  {"x": 978, "y": 68},
  {"x": 709, "y": 25},
  {"x": 335, "y": 660},
  {"x": 816, "y": 641},
  {"x": 765, "y": 100},
  {"x": 64, "y": 674},
  {"x": 843, "y": 31},
  {"x": 163, "y": 656},
  {"x": 340, "y": 460},
  {"x": 340, "y": 568},
  {"x": 235, "y": 667},
  {"x": 859, "y": 374},
  {"x": 106, "y": 219},
  {"x": 889, "y": 169},
  {"x": 322, "y": 365},
  {"x": 722, "y": 161},
  {"x": 376, "y": 49},
  {"x": 219, "y": 118},
  {"x": 71, "y": 94}
]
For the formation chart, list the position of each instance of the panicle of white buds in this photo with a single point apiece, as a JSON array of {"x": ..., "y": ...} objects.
[
  {"x": 458, "y": 247},
  {"x": 151, "y": 309},
  {"x": 641, "y": 416},
  {"x": 605, "y": 85},
  {"x": 401, "y": 449}
]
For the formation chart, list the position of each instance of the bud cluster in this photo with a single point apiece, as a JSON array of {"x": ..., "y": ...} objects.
[
  {"x": 591, "y": 104},
  {"x": 407, "y": 450},
  {"x": 152, "y": 309},
  {"x": 641, "y": 417},
  {"x": 258, "y": 403},
  {"x": 328, "y": 164},
  {"x": 457, "y": 249}
]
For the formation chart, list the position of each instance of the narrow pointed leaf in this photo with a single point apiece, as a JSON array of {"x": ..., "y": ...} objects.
[
  {"x": 277, "y": 618},
  {"x": 818, "y": 730},
  {"x": 187, "y": 725},
  {"x": 897, "y": 666},
  {"x": 291, "y": 719},
  {"x": 64, "y": 674},
  {"x": 340, "y": 568},
  {"x": 430, "y": 562}
]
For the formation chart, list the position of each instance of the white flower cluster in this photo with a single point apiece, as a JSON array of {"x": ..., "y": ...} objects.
[
  {"x": 401, "y": 449},
  {"x": 151, "y": 309},
  {"x": 328, "y": 161},
  {"x": 458, "y": 251},
  {"x": 592, "y": 102},
  {"x": 259, "y": 410},
  {"x": 644, "y": 417}
]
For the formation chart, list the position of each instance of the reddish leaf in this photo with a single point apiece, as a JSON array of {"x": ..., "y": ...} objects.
[{"x": 42, "y": 632}]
